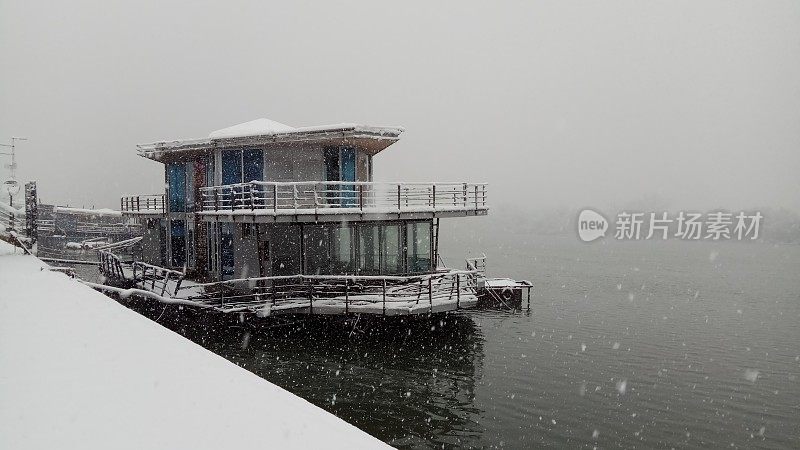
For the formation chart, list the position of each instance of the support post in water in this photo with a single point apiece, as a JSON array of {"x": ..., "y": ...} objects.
[
  {"x": 346, "y": 296},
  {"x": 311, "y": 297},
  {"x": 430, "y": 292},
  {"x": 458, "y": 291}
]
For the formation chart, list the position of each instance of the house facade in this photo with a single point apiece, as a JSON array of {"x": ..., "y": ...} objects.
[{"x": 263, "y": 199}]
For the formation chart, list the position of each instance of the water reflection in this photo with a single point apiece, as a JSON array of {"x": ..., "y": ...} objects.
[{"x": 408, "y": 381}]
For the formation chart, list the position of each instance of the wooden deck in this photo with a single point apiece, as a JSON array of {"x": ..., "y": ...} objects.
[{"x": 298, "y": 294}]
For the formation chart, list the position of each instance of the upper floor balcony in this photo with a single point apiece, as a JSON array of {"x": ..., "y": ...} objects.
[{"x": 317, "y": 201}]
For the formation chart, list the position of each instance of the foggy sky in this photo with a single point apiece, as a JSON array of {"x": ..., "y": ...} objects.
[{"x": 689, "y": 104}]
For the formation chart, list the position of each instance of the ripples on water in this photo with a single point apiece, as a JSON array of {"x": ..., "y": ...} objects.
[{"x": 646, "y": 344}]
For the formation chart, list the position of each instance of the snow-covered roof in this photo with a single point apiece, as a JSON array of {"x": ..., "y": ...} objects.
[
  {"x": 256, "y": 127},
  {"x": 261, "y": 131}
]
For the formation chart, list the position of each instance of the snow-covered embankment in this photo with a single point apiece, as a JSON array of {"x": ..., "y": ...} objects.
[{"x": 78, "y": 370}]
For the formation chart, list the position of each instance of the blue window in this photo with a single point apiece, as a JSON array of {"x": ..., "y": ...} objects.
[
  {"x": 176, "y": 179},
  {"x": 178, "y": 239},
  {"x": 348, "y": 174}
]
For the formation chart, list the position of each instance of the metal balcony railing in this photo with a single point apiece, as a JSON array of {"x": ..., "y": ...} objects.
[
  {"x": 143, "y": 204},
  {"x": 343, "y": 197}
]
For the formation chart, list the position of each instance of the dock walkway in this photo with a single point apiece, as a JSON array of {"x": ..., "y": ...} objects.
[{"x": 81, "y": 371}]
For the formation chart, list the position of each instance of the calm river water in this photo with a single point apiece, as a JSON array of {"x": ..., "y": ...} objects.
[{"x": 633, "y": 344}]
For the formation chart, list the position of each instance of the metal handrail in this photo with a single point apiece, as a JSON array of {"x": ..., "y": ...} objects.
[
  {"x": 347, "y": 196},
  {"x": 154, "y": 203},
  {"x": 156, "y": 275},
  {"x": 425, "y": 289},
  {"x": 478, "y": 264}
]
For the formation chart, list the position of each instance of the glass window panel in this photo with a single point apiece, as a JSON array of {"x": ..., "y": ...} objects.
[
  {"x": 369, "y": 249},
  {"x": 178, "y": 239},
  {"x": 332, "y": 173},
  {"x": 231, "y": 166},
  {"x": 162, "y": 240},
  {"x": 176, "y": 179},
  {"x": 348, "y": 174},
  {"x": 342, "y": 251},
  {"x": 211, "y": 242},
  {"x": 253, "y": 162},
  {"x": 210, "y": 170},
  {"x": 392, "y": 249},
  {"x": 226, "y": 250},
  {"x": 316, "y": 239},
  {"x": 190, "y": 167},
  {"x": 418, "y": 238},
  {"x": 285, "y": 250},
  {"x": 331, "y": 164}
]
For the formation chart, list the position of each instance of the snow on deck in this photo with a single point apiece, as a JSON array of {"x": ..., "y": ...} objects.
[{"x": 81, "y": 371}]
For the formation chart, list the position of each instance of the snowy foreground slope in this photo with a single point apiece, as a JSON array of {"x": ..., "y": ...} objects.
[{"x": 78, "y": 370}]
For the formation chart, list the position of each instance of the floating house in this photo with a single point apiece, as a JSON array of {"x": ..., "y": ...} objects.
[{"x": 264, "y": 216}]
